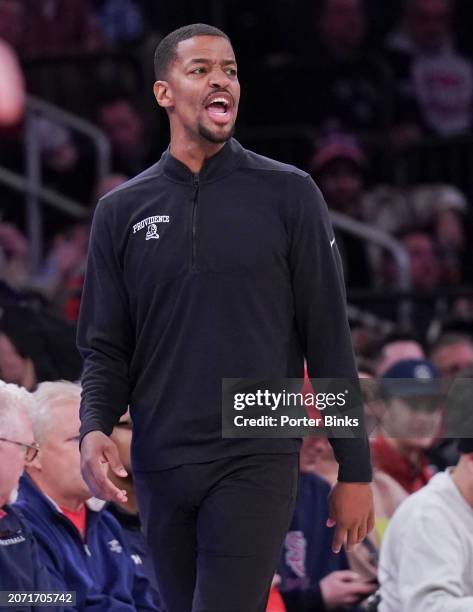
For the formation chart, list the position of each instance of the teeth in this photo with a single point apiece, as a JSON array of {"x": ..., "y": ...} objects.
[{"x": 223, "y": 100}]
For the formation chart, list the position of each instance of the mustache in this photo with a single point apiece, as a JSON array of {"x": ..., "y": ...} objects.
[{"x": 219, "y": 91}]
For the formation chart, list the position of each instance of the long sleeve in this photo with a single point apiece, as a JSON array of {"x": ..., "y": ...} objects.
[
  {"x": 142, "y": 594},
  {"x": 104, "y": 335},
  {"x": 321, "y": 318}
]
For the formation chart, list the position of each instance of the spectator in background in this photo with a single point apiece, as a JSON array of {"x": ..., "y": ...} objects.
[
  {"x": 432, "y": 220},
  {"x": 82, "y": 545},
  {"x": 423, "y": 255},
  {"x": 410, "y": 423},
  {"x": 424, "y": 261},
  {"x": 395, "y": 348},
  {"x": 335, "y": 82},
  {"x": 451, "y": 353},
  {"x": 21, "y": 568},
  {"x": 444, "y": 208},
  {"x": 312, "y": 576},
  {"x": 317, "y": 458},
  {"x": 434, "y": 82},
  {"x": 15, "y": 365},
  {"x": 108, "y": 183},
  {"x": 12, "y": 89},
  {"x": 61, "y": 278},
  {"x": 68, "y": 165},
  {"x": 36, "y": 346},
  {"x": 49, "y": 28},
  {"x": 133, "y": 148},
  {"x": 426, "y": 310},
  {"x": 347, "y": 86},
  {"x": 15, "y": 267},
  {"x": 338, "y": 167},
  {"x": 12, "y": 105},
  {"x": 120, "y": 21},
  {"x": 12, "y": 23},
  {"x": 425, "y": 562},
  {"x": 126, "y": 512}
]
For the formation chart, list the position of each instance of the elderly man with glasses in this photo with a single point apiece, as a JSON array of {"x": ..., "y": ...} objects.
[{"x": 20, "y": 566}]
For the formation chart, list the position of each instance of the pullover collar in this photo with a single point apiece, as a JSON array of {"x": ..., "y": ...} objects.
[{"x": 214, "y": 168}]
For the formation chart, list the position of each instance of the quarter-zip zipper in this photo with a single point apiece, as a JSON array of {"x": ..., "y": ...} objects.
[{"x": 194, "y": 220}]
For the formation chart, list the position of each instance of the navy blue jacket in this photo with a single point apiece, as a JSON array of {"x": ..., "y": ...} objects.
[
  {"x": 137, "y": 545},
  {"x": 191, "y": 278},
  {"x": 307, "y": 555},
  {"x": 21, "y": 567},
  {"x": 100, "y": 570}
]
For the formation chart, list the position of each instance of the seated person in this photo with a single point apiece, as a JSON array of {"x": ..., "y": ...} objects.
[
  {"x": 36, "y": 346},
  {"x": 339, "y": 167},
  {"x": 312, "y": 576},
  {"x": 126, "y": 512},
  {"x": 21, "y": 568},
  {"x": 425, "y": 562},
  {"x": 317, "y": 457},
  {"x": 81, "y": 544},
  {"x": 410, "y": 424}
]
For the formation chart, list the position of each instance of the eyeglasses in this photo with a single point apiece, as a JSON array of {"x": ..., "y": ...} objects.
[{"x": 31, "y": 450}]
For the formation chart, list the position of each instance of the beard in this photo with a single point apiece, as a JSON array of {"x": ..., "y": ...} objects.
[{"x": 215, "y": 138}]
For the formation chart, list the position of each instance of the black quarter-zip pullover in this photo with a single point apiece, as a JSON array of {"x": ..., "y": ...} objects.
[{"x": 231, "y": 273}]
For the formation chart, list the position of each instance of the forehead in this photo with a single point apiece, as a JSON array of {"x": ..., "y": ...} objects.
[
  {"x": 19, "y": 426},
  {"x": 65, "y": 416},
  {"x": 462, "y": 347},
  {"x": 214, "y": 48}
]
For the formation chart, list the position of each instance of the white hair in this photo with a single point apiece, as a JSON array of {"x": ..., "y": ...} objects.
[
  {"x": 47, "y": 395},
  {"x": 15, "y": 401}
]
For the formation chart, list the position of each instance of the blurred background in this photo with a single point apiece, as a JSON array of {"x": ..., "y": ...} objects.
[{"x": 374, "y": 99}]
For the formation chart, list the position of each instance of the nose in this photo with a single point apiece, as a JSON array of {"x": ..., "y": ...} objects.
[{"x": 218, "y": 78}]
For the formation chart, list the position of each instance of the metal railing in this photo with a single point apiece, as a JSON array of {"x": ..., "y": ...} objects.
[
  {"x": 390, "y": 244},
  {"x": 31, "y": 184},
  {"x": 445, "y": 160}
]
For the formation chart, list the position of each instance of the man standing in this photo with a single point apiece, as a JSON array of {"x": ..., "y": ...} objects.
[{"x": 215, "y": 262}]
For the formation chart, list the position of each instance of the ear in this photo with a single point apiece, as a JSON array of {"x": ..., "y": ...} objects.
[
  {"x": 163, "y": 94},
  {"x": 35, "y": 465}
]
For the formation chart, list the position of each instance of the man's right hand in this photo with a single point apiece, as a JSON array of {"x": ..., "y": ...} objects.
[
  {"x": 344, "y": 588},
  {"x": 98, "y": 452}
]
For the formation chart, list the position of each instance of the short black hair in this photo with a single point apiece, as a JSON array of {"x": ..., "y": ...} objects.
[{"x": 166, "y": 51}]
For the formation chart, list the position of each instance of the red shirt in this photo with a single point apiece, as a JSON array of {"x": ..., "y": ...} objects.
[
  {"x": 275, "y": 601},
  {"x": 78, "y": 519},
  {"x": 411, "y": 476}
]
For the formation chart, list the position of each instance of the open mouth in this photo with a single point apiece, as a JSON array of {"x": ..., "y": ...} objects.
[{"x": 219, "y": 108}]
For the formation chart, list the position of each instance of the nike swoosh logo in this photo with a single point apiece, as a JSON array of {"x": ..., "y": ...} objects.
[{"x": 332, "y": 242}]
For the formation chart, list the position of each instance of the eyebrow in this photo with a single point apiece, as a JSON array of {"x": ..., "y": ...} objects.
[{"x": 203, "y": 60}]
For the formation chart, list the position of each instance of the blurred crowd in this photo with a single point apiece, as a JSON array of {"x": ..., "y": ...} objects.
[
  {"x": 368, "y": 81},
  {"x": 417, "y": 557},
  {"x": 363, "y": 86}
]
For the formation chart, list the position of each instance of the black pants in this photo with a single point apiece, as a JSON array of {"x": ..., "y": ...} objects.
[{"x": 215, "y": 529}]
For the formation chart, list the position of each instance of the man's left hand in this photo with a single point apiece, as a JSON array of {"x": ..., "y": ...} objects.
[{"x": 351, "y": 512}]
